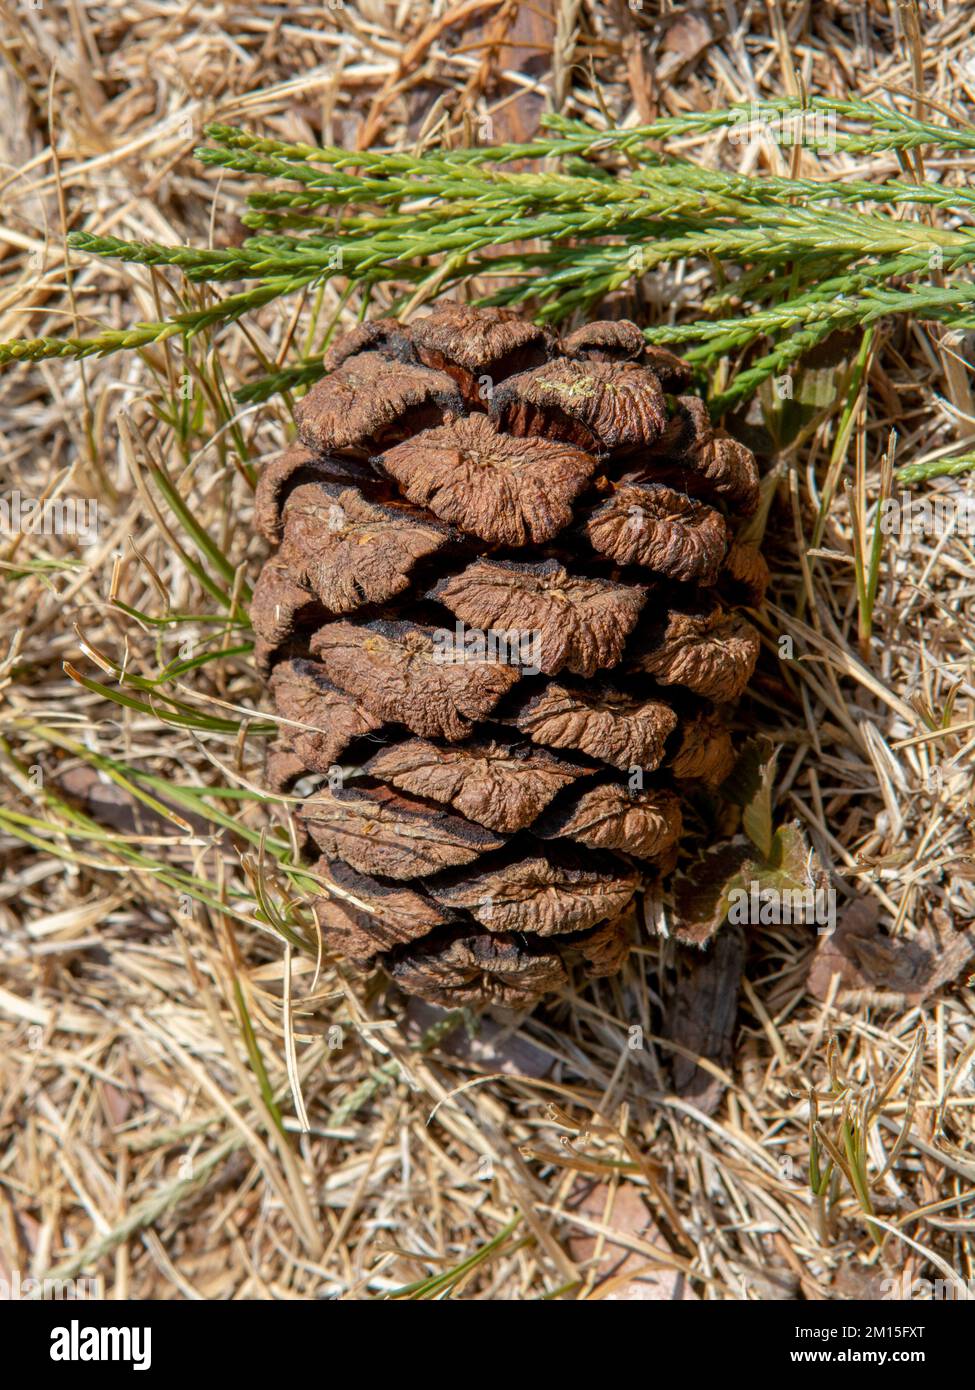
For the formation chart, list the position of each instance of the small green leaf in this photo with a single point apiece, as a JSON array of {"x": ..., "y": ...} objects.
[
  {"x": 745, "y": 778},
  {"x": 703, "y": 889},
  {"x": 749, "y": 785},
  {"x": 790, "y": 402}
]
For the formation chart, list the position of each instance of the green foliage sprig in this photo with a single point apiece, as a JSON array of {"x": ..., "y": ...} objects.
[{"x": 794, "y": 260}]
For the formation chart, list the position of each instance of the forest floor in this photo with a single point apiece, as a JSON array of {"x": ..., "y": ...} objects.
[{"x": 189, "y": 1109}]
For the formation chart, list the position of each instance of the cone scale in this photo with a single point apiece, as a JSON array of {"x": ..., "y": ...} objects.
[{"x": 499, "y": 622}]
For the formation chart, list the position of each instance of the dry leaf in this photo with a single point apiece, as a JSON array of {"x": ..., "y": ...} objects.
[
  {"x": 621, "y": 1270},
  {"x": 867, "y": 960}
]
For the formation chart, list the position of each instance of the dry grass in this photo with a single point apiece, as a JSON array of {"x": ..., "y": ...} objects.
[{"x": 188, "y": 1107}]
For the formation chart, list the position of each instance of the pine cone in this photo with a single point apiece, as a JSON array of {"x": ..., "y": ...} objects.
[{"x": 497, "y": 623}]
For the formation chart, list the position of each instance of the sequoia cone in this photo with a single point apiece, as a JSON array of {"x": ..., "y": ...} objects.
[{"x": 498, "y": 623}]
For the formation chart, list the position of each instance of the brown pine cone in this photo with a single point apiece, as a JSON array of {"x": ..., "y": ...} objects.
[{"x": 497, "y": 623}]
